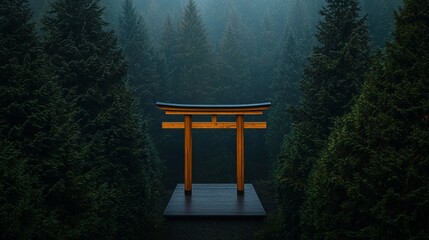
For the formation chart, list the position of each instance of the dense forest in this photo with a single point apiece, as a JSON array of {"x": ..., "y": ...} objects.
[{"x": 83, "y": 155}]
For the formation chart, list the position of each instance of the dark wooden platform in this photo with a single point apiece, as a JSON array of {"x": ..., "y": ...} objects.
[{"x": 214, "y": 200}]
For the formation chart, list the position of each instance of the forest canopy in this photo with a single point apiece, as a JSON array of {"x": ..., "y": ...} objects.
[{"x": 345, "y": 155}]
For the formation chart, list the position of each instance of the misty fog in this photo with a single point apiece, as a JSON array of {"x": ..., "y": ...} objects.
[{"x": 83, "y": 154}]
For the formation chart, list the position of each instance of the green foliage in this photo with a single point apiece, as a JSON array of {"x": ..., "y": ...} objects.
[
  {"x": 371, "y": 182},
  {"x": 169, "y": 54},
  {"x": 134, "y": 40},
  {"x": 286, "y": 96},
  {"x": 38, "y": 156},
  {"x": 87, "y": 59},
  {"x": 120, "y": 162},
  {"x": 266, "y": 58},
  {"x": 195, "y": 60},
  {"x": 126, "y": 172},
  {"x": 234, "y": 70},
  {"x": 20, "y": 203},
  {"x": 333, "y": 76},
  {"x": 77, "y": 160}
]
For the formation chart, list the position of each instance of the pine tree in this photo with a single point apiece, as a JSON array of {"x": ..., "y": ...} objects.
[
  {"x": 169, "y": 55},
  {"x": 128, "y": 174},
  {"x": 333, "y": 76},
  {"x": 217, "y": 14},
  {"x": 39, "y": 160},
  {"x": 300, "y": 24},
  {"x": 196, "y": 65},
  {"x": 134, "y": 40},
  {"x": 286, "y": 95},
  {"x": 88, "y": 60},
  {"x": 234, "y": 66},
  {"x": 371, "y": 182},
  {"x": 92, "y": 70},
  {"x": 265, "y": 60}
]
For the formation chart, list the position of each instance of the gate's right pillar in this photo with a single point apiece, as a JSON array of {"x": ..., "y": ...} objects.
[{"x": 240, "y": 153}]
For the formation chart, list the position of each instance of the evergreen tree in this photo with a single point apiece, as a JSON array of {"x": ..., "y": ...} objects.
[
  {"x": 134, "y": 40},
  {"x": 196, "y": 65},
  {"x": 234, "y": 66},
  {"x": 286, "y": 95},
  {"x": 333, "y": 76},
  {"x": 39, "y": 162},
  {"x": 265, "y": 60},
  {"x": 127, "y": 172},
  {"x": 216, "y": 15},
  {"x": 371, "y": 182},
  {"x": 169, "y": 54},
  {"x": 92, "y": 69},
  {"x": 300, "y": 24}
]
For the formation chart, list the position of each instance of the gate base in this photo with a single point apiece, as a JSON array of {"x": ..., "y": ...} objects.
[{"x": 214, "y": 200}]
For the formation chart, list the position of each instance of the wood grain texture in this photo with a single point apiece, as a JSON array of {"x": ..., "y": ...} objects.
[
  {"x": 214, "y": 125},
  {"x": 213, "y": 106},
  {"x": 240, "y": 153},
  {"x": 224, "y": 109},
  {"x": 210, "y": 112},
  {"x": 214, "y": 200},
  {"x": 188, "y": 110},
  {"x": 188, "y": 153}
]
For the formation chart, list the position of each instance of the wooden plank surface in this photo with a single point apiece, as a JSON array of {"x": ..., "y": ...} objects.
[{"x": 214, "y": 200}]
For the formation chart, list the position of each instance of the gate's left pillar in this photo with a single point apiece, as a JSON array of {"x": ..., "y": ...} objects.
[{"x": 188, "y": 154}]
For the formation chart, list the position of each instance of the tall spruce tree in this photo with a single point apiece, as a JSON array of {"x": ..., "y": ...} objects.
[
  {"x": 92, "y": 70},
  {"x": 127, "y": 172},
  {"x": 371, "y": 182},
  {"x": 21, "y": 212},
  {"x": 234, "y": 66},
  {"x": 286, "y": 95},
  {"x": 40, "y": 189},
  {"x": 196, "y": 64},
  {"x": 169, "y": 54},
  {"x": 134, "y": 40},
  {"x": 266, "y": 58},
  {"x": 333, "y": 76}
]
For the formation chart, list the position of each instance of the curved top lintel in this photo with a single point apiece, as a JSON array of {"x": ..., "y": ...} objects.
[
  {"x": 213, "y": 106},
  {"x": 206, "y": 109}
]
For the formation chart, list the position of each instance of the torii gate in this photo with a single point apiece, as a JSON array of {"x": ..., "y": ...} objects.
[{"x": 188, "y": 110}]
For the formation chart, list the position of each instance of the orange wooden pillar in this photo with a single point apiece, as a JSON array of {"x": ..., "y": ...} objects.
[
  {"x": 188, "y": 154},
  {"x": 240, "y": 153}
]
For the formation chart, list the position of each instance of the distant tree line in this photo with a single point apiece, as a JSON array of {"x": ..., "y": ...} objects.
[
  {"x": 80, "y": 141},
  {"x": 239, "y": 51}
]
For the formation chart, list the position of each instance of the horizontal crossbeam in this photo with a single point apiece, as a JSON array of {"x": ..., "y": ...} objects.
[
  {"x": 212, "y": 112},
  {"x": 213, "y": 125}
]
